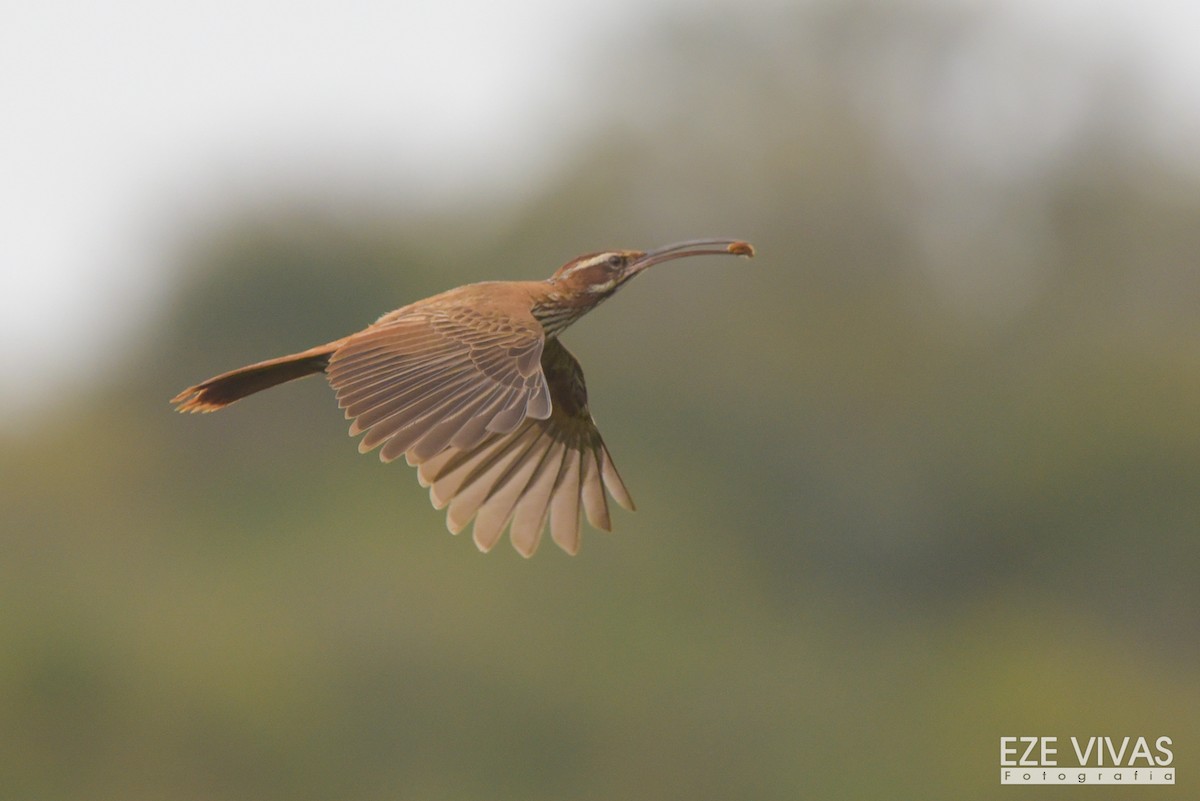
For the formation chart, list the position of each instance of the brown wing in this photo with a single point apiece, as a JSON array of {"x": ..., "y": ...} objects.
[
  {"x": 423, "y": 379},
  {"x": 539, "y": 472}
]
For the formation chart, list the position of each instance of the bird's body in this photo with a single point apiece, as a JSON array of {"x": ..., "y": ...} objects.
[{"x": 474, "y": 389}]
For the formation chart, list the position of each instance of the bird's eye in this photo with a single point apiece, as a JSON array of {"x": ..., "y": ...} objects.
[{"x": 616, "y": 260}]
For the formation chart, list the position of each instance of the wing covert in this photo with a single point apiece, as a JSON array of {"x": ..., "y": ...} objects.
[{"x": 422, "y": 379}]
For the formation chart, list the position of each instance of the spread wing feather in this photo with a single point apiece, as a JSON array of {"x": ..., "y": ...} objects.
[
  {"x": 426, "y": 377},
  {"x": 544, "y": 471}
]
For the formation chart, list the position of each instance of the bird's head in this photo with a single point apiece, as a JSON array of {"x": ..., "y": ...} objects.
[{"x": 598, "y": 275}]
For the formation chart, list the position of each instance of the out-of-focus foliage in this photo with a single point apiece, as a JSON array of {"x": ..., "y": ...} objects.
[{"x": 921, "y": 475}]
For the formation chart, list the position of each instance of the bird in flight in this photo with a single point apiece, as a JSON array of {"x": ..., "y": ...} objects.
[{"x": 475, "y": 390}]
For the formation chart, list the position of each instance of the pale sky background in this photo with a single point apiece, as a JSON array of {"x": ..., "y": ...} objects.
[{"x": 127, "y": 122}]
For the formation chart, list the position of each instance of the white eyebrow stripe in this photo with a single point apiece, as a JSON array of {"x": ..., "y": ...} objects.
[{"x": 594, "y": 260}]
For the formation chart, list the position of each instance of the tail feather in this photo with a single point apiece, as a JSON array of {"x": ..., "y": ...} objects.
[{"x": 222, "y": 390}]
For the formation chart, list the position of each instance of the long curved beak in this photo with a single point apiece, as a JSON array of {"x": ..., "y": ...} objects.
[{"x": 692, "y": 247}]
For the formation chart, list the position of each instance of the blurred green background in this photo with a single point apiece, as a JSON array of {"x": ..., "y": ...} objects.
[{"x": 920, "y": 476}]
